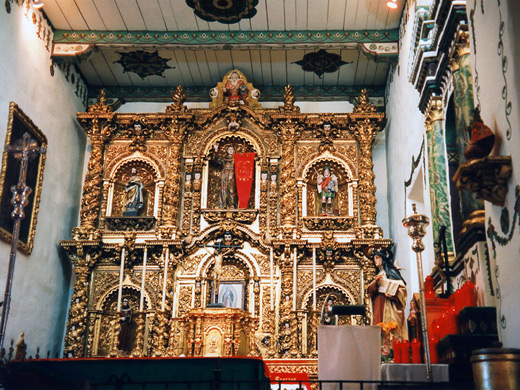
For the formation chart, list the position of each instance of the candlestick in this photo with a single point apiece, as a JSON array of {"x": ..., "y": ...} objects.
[
  {"x": 313, "y": 278},
  {"x": 121, "y": 272},
  {"x": 294, "y": 277},
  {"x": 416, "y": 224},
  {"x": 272, "y": 283},
  {"x": 141, "y": 300},
  {"x": 166, "y": 258}
]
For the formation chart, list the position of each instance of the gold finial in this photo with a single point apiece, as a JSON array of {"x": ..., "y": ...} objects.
[
  {"x": 289, "y": 99},
  {"x": 363, "y": 103},
  {"x": 102, "y": 103},
  {"x": 179, "y": 97}
]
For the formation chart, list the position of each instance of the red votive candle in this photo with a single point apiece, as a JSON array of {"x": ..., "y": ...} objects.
[
  {"x": 416, "y": 351},
  {"x": 398, "y": 351},
  {"x": 405, "y": 351}
]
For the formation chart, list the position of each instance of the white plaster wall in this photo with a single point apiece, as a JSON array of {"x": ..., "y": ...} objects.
[
  {"x": 493, "y": 80},
  {"x": 41, "y": 282},
  {"x": 405, "y": 131}
]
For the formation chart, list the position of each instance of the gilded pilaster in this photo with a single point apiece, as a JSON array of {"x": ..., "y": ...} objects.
[
  {"x": 365, "y": 124},
  {"x": 99, "y": 127},
  {"x": 175, "y": 133},
  {"x": 287, "y": 321},
  {"x": 139, "y": 336},
  {"x": 273, "y": 197},
  {"x": 438, "y": 170},
  {"x": 288, "y": 132},
  {"x": 76, "y": 334},
  {"x": 197, "y": 192}
]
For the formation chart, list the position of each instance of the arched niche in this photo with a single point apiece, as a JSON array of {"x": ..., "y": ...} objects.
[
  {"x": 237, "y": 275},
  {"x": 220, "y": 191},
  {"x": 342, "y": 204},
  {"x": 134, "y": 172},
  {"x": 107, "y": 326}
]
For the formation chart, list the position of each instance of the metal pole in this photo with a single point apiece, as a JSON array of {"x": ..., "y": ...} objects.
[
  {"x": 22, "y": 149},
  {"x": 9, "y": 284},
  {"x": 416, "y": 224}
]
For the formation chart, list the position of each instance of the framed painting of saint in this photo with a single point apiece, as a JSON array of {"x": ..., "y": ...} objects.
[{"x": 19, "y": 124}]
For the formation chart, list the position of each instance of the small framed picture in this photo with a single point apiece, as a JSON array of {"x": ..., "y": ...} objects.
[
  {"x": 231, "y": 294},
  {"x": 18, "y": 124}
]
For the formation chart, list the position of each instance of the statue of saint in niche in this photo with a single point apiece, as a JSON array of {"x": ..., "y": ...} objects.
[
  {"x": 228, "y": 195},
  {"x": 126, "y": 337},
  {"x": 327, "y": 186},
  {"x": 135, "y": 195},
  {"x": 235, "y": 90}
]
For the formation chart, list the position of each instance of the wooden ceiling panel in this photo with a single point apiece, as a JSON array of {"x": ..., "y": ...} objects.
[
  {"x": 351, "y": 11},
  {"x": 152, "y": 15},
  {"x": 168, "y": 15},
  {"x": 89, "y": 72},
  {"x": 275, "y": 15},
  {"x": 90, "y": 14},
  {"x": 267, "y": 70},
  {"x": 294, "y": 71},
  {"x": 56, "y": 16},
  {"x": 110, "y": 14},
  {"x": 224, "y": 60},
  {"x": 335, "y": 14},
  {"x": 242, "y": 61},
  {"x": 195, "y": 70},
  {"x": 73, "y": 15},
  {"x": 300, "y": 7},
  {"x": 317, "y": 12},
  {"x": 131, "y": 14},
  {"x": 256, "y": 65},
  {"x": 202, "y": 64},
  {"x": 279, "y": 65},
  {"x": 104, "y": 68},
  {"x": 290, "y": 14}
]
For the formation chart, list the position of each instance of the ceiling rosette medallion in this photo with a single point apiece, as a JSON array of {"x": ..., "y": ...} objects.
[
  {"x": 321, "y": 62},
  {"x": 143, "y": 63},
  {"x": 224, "y": 11}
]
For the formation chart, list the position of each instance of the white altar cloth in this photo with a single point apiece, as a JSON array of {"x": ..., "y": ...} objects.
[{"x": 349, "y": 353}]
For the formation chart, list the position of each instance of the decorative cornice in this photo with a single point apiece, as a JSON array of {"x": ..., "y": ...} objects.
[
  {"x": 436, "y": 33},
  {"x": 269, "y": 93},
  {"x": 204, "y": 38}
]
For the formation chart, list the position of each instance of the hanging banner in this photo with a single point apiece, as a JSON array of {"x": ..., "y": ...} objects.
[{"x": 244, "y": 171}]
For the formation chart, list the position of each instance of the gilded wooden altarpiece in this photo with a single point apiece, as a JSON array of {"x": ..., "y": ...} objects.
[{"x": 288, "y": 247}]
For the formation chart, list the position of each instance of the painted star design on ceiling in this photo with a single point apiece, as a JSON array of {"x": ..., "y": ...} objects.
[
  {"x": 143, "y": 63},
  {"x": 224, "y": 11},
  {"x": 321, "y": 62}
]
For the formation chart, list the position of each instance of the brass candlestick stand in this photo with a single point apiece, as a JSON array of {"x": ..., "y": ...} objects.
[{"x": 416, "y": 224}]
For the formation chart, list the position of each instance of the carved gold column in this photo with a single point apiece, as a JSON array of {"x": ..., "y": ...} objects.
[
  {"x": 264, "y": 180},
  {"x": 163, "y": 314},
  {"x": 76, "y": 334},
  {"x": 437, "y": 170},
  {"x": 273, "y": 198},
  {"x": 175, "y": 131},
  {"x": 464, "y": 104},
  {"x": 197, "y": 188},
  {"x": 288, "y": 132},
  {"x": 139, "y": 334},
  {"x": 369, "y": 271},
  {"x": 186, "y": 219},
  {"x": 99, "y": 127},
  {"x": 365, "y": 124},
  {"x": 287, "y": 322}
]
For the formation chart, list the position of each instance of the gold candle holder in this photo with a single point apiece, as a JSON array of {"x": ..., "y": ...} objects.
[{"x": 416, "y": 224}]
